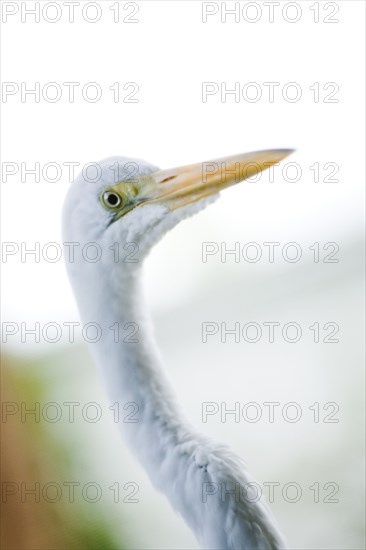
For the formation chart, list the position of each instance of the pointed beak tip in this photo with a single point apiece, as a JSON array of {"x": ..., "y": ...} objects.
[
  {"x": 286, "y": 152},
  {"x": 280, "y": 154}
]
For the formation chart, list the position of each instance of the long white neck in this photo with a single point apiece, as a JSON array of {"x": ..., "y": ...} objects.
[
  {"x": 177, "y": 459},
  {"x": 132, "y": 368}
]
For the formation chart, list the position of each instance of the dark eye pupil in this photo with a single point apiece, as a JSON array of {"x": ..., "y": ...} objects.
[{"x": 113, "y": 199}]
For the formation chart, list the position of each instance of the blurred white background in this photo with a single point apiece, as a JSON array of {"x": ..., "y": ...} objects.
[{"x": 170, "y": 52}]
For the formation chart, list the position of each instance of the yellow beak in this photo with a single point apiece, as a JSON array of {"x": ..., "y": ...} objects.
[{"x": 176, "y": 187}]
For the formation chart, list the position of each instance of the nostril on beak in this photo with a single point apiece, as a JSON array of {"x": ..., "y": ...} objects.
[{"x": 167, "y": 179}]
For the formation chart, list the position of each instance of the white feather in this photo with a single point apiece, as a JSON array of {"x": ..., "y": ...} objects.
[{"x": 181, "y": 463}]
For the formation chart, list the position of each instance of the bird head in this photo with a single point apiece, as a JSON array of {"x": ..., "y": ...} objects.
[
  {"x": 118, "y": 209},
  {"x": 130, "y": 201}
]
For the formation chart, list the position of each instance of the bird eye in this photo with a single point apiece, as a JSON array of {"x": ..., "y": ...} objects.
[{"x": 111, "y": 199}]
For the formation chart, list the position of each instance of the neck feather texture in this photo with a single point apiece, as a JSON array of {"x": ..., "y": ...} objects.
[
  {"x": 179, "y": 461},
  {"x": 131, "y": 365}
]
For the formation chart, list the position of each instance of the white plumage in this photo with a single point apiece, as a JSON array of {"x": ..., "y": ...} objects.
[{"x": 204, "y": 481}]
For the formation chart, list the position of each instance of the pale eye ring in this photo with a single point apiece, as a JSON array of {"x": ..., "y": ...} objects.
[{"x": 111, "y": 200}]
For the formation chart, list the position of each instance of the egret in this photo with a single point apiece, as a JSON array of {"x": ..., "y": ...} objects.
[{"x": 132, "y": 201}]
